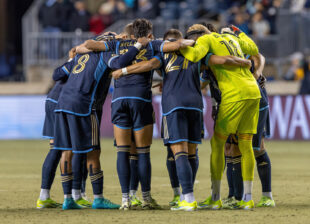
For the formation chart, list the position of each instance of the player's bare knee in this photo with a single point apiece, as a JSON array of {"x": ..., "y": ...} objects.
[
  {"x": 192, "y": 149},
  {"x": 144, "y": 136},
  {"x": 122, "y": 136},
  {"x": 179, "y": 147}
]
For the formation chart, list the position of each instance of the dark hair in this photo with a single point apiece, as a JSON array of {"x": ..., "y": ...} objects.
[
  {"x": 173, "y": 33},
  {"x": 142, "y": 28}
]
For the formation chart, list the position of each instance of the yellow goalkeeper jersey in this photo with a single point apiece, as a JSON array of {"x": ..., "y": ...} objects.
[{"x": 236, "y": 83}]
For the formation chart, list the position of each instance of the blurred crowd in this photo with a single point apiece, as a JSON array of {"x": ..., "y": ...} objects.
[{"x": 255, "y": 17}]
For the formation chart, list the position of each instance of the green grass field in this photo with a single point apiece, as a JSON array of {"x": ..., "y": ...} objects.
[{"x": 20, "y": 176}]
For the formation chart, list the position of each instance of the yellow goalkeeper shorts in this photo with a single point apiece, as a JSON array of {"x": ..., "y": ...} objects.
[{"x": 238, "y": 117}]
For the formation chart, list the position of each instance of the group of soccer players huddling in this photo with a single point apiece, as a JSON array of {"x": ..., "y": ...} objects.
[{"x": 228, "y": 61}]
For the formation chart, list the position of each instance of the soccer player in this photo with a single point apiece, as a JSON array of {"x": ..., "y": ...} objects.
[
  {"x": 181, "y": 131},
  {"x": 132, "y": 111},
  {"x": 52, "y": 159},
  {"x": 238, "y": 112},
  {"x": 76, "y": 126}
]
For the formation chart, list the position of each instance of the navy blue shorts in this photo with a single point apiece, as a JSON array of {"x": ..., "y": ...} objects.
[
  {"x": 263, "y": 128},
  {"x": 182, "y": 126},
  {"x": 77, "y": 133},
  {"x": 132, "y": 114},
  {"x": 49, "y": 120}
]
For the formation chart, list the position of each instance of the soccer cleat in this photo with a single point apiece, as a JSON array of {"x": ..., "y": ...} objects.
[
  {"x": 266, "y": 202},
  {"x": 125, "y": 206},
  {"x": 83, "y": 203},
  {"x": 244, "y": 205},
  {"x": 150, "y": 205},
  {"x": 175, "y": 200},
  {"x": 209, "y": 204},
  {"x": 135, "y": 202},
  {"x": 69, "y": 203},
  {"x": 230, "y": 204},
  {"x": 185, "y": 206},
  {"x": 48, "y": 203},
  {"x": 102, "y": 203}
]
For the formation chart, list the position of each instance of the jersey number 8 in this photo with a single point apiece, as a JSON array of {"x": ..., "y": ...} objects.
[{"x": 81, "y": 64}]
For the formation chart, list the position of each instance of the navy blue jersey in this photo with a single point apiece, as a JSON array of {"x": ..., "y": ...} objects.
[
  {"x": 181, "y": 83},
  {"x": 63, "y": 70},
  {"x": 79, "y": 92},
  {"x": 208, "y": 76},
  {"x": 264, "y": 103},
  {"x": 134, "y": 86}
]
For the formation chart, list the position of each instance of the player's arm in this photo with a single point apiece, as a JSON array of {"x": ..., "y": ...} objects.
[
  {"x": 93, "y": 45},
  {"x": 121, "y": 61},
  {"x": 198, "y": 51},
  {"x": 229, "y": 61},
  {"x": 141, "y": 67},
  {"x": 176, "y": 45},
  {"x": 259, "y": 64},
  {"x": 62, "y": 72}
]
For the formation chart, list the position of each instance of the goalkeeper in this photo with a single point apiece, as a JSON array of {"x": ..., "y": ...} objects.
[{"x": 238, "y": 112}]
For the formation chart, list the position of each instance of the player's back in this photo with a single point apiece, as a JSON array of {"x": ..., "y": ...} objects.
[
  {"x": 181, "y": 85},
  {"x": 134, "y": 85},
  {"x": 78, "y": 94},
  {"x": 236, "y": 83}
]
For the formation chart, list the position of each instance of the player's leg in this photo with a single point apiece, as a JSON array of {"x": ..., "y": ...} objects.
[
  {"x": 229, "y": 169},
  {"x": 85, "y": 140},
  {"x": 123, "y": 135},
  {"x": 192, "y": 153},
  {"x": 134, "y": 176},
  {"x": 194, "y": 138},
  {"x": 226, "y": 124},
  {"x": 123, "y": 141},
  {"x": 51, "y": 161},
  {"x": 246, "y": 128},
  {"x": 236, "y": 175},
  {"x": 177, "y": 134},
  {"x": 62, "y": 141},
  {"x": 78, "y": 163},
  {"x": 142, "y": 116},
  {"x": 48, "y": 174},
  {"x": 84, "y": 178},
  {"x": 237, "y": 171},
  {"x": 143, "y": 139},
  {"x": 262, "y": 160},
  {"x": 174, "y": 180}
]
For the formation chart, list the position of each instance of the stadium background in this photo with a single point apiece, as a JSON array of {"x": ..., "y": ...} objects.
[
  {"x": 36, "y": 36},
  {"x": 31, "y": 46}
]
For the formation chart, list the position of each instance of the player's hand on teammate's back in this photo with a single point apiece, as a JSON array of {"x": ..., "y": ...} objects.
[{"x": 117, "y": 74}]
